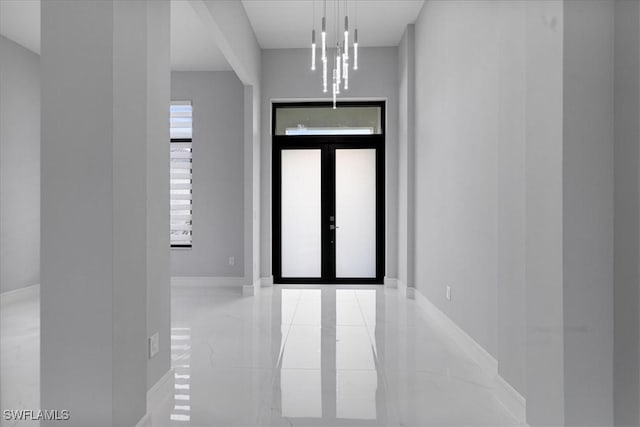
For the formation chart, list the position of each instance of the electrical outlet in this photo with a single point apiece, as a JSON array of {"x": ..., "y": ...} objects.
[
  {"x": 154, "y": 345},
  {"x": 232, "y": 260},
  {"x": 448, "y": 293}
]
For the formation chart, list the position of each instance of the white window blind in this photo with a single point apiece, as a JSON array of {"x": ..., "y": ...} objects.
[{"x": 181, "y": 131}]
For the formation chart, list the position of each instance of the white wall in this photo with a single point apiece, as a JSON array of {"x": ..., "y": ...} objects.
[
  {"x": 286, "y": 75},
  {"x": 218, "y": 178},
  {"x": 19, "y": 166}
]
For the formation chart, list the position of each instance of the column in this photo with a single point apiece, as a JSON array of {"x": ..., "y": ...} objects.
[{"x": 95, "y": 193}]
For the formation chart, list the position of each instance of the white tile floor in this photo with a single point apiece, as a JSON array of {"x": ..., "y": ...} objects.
[
  {"x": 292, "y": 356},
  {"x": 20, "y": 357}
]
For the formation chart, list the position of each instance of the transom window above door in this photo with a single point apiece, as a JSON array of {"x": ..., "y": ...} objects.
[{"x": 314, "y": 119}]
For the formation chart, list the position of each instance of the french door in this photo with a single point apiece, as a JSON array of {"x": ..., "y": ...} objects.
[{"x": 328, "y": 208}]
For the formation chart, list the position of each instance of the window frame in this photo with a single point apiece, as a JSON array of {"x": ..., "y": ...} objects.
[{"x": 189, "y": 243}]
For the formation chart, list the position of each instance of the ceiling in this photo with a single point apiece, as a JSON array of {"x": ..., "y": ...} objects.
[
  {"x": 191, "y": 45},
  {"x": 276, "y": 23},
  {"x": 288, "y": 23},
  {"x": 20, "y": 22}
]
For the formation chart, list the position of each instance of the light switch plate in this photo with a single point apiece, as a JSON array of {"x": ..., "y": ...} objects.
[{"x": 154, "y": 345}]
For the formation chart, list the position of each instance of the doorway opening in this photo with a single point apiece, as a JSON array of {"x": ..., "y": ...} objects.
[{"x": 328, "y": 192}]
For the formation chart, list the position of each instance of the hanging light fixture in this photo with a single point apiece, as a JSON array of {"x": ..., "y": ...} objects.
[
  {"x": 345, "y": 55},
  {"x": 324, "y": 48},
  {"x": 313, "y": 50},
  {"x": 340, "y": 71},
  {"x": 355, "y": 41},
  {"x": 313, "y": 39}
]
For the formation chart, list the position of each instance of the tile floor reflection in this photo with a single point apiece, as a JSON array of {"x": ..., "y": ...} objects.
[
  {"x": 20, "y": 357},
  {"x": 296, "y": 356},
  {"x": 322, "y": 356}
]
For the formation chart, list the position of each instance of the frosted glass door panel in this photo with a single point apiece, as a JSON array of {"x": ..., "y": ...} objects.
[
  {"x": 301, "y": 210},
  {"x": 356, "y": 213}
]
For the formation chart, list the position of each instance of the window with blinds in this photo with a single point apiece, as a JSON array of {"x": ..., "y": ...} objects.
[{"x": 181, "y": 131}]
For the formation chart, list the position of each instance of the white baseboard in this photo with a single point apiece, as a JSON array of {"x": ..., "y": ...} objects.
[
  {"x": 161, "y": 390},
  {"x": 464, "y": 340},
  {"x": 223, "y": 282},
  {"x": 21, "y": 294},
  {"x": 250, "y": 290},
  {"x": 405, "y": 290},
  {"x": 506, "y": 394},
  {"x": 145, "y": 421},
  {"x": 511, "y": 399},
  {"x": 390, "y": 283},
  {"x": 156, "y": 395},
  {"x": 208, "y": 281}
]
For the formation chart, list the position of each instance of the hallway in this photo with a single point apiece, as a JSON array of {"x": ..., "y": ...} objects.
[{"x": 294, "y": 356}]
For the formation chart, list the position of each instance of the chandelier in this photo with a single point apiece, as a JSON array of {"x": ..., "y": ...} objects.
[{"x": 339, "y": 60}]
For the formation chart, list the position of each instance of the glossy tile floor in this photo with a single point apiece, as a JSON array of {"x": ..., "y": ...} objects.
[
  {"x": 294, "y": 356},
  {"x": 20, "y": 357}
]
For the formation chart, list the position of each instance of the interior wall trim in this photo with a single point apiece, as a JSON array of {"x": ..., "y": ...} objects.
[
  {"x": 156, "y": 395},
  {"x": 402, "y": 287},
  {"x": 509, "y": 397},
  {"x": 391, "y": 283},
  {"x": 515, "y": 403},
  {"x": 160, "y": 391},
  {"x": 208, "y": 281},
  {"x": 266, "y": 282},
  {"x": 19, "y": 294},
  {"x": 405, "y": 290}
]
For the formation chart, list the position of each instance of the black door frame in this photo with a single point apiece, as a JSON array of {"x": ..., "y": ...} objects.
[{"x": 327, "y": 144}]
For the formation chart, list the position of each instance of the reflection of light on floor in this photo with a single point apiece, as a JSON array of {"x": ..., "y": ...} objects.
[
  {"x": 356, "y": 374},
  {"x": 301, "y": 374},
  {"x": 180, "y": 356}
]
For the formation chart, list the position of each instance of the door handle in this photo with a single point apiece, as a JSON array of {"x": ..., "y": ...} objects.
[{"x": 333, "y": 227}]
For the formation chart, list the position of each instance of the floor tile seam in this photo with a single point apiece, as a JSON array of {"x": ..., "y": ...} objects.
[
  {"x": 470, "y": 384},
  {"x": 371, "y": 339},
  {"x": 285, "y": 338}
]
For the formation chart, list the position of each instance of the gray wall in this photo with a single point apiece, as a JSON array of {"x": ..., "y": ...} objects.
[
  {"x": 627, "y": 213},
  {"x": 588, "y": 192},
  {"x": 286, "y": 75},
  {"x": 469, "y": 171},
  {"x": 100, "y": 97},
  {"x": 544, "y": 293},
  {"x": 158, "y": 256},
  {"x": 228, "y": 23},
  {"x": 511, "y": 345},
  {"x": 515, "y": 187},
  {"x": 406, "y": 156},
  {"x": 218, "y": 175},
  {"x": 19, "y": 166}
]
